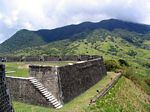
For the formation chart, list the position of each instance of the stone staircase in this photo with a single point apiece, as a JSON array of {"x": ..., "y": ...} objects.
[{"x": 51, "y": 99}]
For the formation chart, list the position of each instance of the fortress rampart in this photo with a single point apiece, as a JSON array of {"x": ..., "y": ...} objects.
[{"x": 52, "y": 86}]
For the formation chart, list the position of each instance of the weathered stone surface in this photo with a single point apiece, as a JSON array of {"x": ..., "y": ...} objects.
[
  {"x": 77, "y": 78},
  {"x": 22, "y": 90},
  {"x": 47, "y": 75},
  {"x": 69, "y": 81},
  {"x": 5, "y": 101},
  {"x": 49, "y": 58},
  {"x": 64, "y": 83}
]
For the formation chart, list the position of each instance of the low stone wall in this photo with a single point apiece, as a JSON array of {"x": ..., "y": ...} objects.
[
  {"x": 5, "y": 101},
  {"x": 77, "y": 78},
  {"x": 48, "y": 58},
  {"x": 22, "y": 90},
  {"x": 13, "y": 59},
  {"x": 32, "y": 58}
]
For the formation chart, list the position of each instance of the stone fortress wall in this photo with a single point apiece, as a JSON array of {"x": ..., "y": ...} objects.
[
  {"x": 5, "y": 101},
  {"x": 22, "y": 90},
  {"x": 54, "y": 86},
  {"x": 47, "y": 58},
  {"x": 77, "y": 78}
]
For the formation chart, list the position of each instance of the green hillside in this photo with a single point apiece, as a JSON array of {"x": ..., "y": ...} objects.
[
  {"x": 114, "y": 40},
  {"x": 26, "y": 39},
  {"x": 119, "y": 43},
  {"x": 20, "y": 40},
  {"x": 125, "y": 96},
  {"x": 112, "y": 45}
]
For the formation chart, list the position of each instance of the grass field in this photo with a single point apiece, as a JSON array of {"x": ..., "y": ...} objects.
[
  {"x": 21, "y": 69},
  {"x": 78, "y": 104}
]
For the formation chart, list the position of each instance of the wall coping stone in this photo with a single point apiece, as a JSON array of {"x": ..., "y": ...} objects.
[{"x": 26, "y": 78}]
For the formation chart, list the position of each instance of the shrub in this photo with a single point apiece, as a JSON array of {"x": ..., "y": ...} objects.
[
  {"x": 111, "y": 65},
  {"x": 128, "y": 72},
  {"x": 123, "y": 62},
  {"x": 147, "y": 82},
  {"x": 147, "y": 64},
  {"x": 132, "y": 53}
]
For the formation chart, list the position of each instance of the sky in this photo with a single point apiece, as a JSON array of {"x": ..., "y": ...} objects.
[{"x": 49, "y": 14}]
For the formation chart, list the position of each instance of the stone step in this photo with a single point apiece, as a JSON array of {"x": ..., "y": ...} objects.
[
  {"x": 46, "y": 93},
  {"x": 51, "y": 99},
  {"x": 54, "y": 101},
  {"x": 34, "y": 80},
  {"x": 39, "y": 88},
  {"x": 38, "y": 85},
  {"x": 59, "y": 107},
  {"x": 42, "y": 89},
  {"x": 47, "y": 96}
]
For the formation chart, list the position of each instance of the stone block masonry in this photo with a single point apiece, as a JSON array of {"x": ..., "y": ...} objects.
[
  {"x": 67, "y": 82},
  {"x": 53, "y": 86},
  {"x": 22, "y": 90},
  {"x": 48, "y": 76},
  {"x": 47, "y": 58},
  {"x": 77, "y": 78},
  {"x": 5, "y": 101}
]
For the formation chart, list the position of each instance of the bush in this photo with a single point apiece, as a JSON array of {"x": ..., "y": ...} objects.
[
  {"x": 111, "y": 65},
  {"x": 132, "y": 53},
  {"x": 147, "y": 64},
  {"x": 128, "y": 72},
  {"x": 134, "y": 75},
  {"x": 123, "y": 62}
]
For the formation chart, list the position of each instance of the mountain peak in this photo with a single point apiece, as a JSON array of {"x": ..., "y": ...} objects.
[{"x": 40, "y": 37}]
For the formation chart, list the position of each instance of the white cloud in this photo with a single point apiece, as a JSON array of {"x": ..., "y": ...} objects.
[{"x": 37, "y": 14}]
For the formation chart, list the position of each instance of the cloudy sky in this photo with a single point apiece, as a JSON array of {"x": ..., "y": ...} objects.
[{"x": 48, "y": 14}]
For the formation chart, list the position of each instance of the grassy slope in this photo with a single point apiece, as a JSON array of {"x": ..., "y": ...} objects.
[
  {"x": 20, "y": 40},
  {"x": 125, "y": 96},
  {"x": 99, "y": 42},
  {"x": 76, "y": 105}
]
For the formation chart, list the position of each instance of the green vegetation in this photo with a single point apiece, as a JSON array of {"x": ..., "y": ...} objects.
[
  {"x": 140, "y": 77},
  {"x": 20, "y": 40},
  {"x": 17, "y": 69},
  {"x": 121, "y": 49},
  {"x": 78, "y": 104},
  {"x": 130, "y": 94},
  {"x": 130, "y": 33},
  {"x": 125, "y": 96},
  {"x": 111, "y": 65},
  {"x": 98, "y": 42}
]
